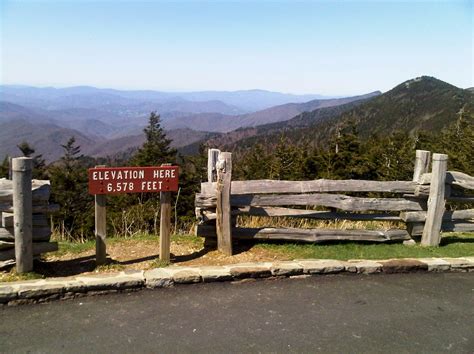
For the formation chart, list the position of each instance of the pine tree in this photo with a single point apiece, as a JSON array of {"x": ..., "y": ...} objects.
[
  {"x": 5, "y": 167},
  {"x": 156, "y": 150},
  {"x": 69, "y": 189}
]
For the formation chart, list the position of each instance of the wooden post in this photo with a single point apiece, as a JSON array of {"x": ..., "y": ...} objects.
[
  {"x": 223, "y": 219},
  {"x": 23, "y": 213},
  {"x": 100, "y": 228},
  {"x": 436, "y": 202},
  {"x": 165, "y": 223},
  {"x": 165, "y": 226},
  {"x": 422, "y": 164},
  {"x": 212, "y": 156}
]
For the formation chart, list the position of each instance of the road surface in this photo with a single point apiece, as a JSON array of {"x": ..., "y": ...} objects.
[{"x": 411, "y": 313}]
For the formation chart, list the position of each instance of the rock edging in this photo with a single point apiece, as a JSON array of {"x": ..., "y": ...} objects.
[{"x": 42, "y": 290}]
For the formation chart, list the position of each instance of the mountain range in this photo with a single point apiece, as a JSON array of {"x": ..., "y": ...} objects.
[{"x": 106, "y": 122}]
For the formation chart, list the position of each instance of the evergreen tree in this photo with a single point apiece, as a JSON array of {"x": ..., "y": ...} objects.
[
  {"x": 156, "y": 150},
  {"x": 26, "y": 149},
  {"x": 69, "y": 189},
  {"x": 5, "y": 167}
]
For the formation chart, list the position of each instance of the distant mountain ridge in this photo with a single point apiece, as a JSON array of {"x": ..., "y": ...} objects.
[
  {"x": 421, "y": 104},
  {"x": 214, "y": 122}
]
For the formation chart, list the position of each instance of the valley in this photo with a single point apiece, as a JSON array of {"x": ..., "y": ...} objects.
[{"x": 108, "y": 122}]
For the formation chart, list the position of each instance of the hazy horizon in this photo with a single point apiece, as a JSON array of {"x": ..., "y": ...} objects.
[{"x": 338, "y": 48}]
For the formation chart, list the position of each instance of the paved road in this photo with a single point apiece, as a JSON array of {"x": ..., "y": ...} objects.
[{"x": 416, "y": 313}]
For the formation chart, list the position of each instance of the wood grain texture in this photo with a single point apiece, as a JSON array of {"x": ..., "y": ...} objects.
[
  {"x": 210, "y": 214},
  {"x": 308, "y": 235},
  {"x": 100, "y": 229},
  {"x": 338, "y": 201},
  {"x": 422, "y": 164},
  {"x": 316, "y": 186},
  {"x": 22, "y": 213},
  {"x": 212, "y": 156},
  {"x": 416, "y": 228},
  {"x": 420, "y": 216},
  {"x": 37, "y": 249},
  {"x": 37, "y": 220},
  {"x": 223, "y": 203},
  {"x": 455, "y": 178},
  {"x": 436, "y": 202},
  {"x": 165, "y": 226},
  {"x": 39, "y": 234},
  {"x": 41, "y": 190}
]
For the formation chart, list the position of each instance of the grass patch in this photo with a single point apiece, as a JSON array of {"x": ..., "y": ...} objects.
[
  {"x": 12, "y": 275},
  {"x": 158, "y": 263},
  {"x": 452, "y": 245}
]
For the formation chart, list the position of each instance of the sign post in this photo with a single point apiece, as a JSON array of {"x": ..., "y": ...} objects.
[{"x": 118, "y": 180}]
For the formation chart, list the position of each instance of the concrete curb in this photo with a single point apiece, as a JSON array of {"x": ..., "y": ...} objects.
[{"x": 43, "y": 290}]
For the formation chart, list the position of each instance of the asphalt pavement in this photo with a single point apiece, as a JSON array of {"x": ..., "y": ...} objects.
[{"x": 395, "y": 313}]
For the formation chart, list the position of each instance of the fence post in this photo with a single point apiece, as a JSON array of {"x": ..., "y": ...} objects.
[
  {"x": 165, "y": 224},
  {"x": 223, "y": 219},
  {"x": 436, "y": 201},
  {"x": 23, "y": 213},
  {"x": 100, "y": 227},
  {"x": 422, "y": 164},
  {"x": 212, "y": 156}
]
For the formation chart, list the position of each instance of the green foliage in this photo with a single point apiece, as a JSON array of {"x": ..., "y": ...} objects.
[
  {"x": 5, "y": 167},
  {"x": 156, "y": 150},
  {"x": 69, "y": 189}
]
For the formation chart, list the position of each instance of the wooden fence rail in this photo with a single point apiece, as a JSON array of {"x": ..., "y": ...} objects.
[
  {"x": 420, "y": 204},
  {"x": 24, "y": 225}
]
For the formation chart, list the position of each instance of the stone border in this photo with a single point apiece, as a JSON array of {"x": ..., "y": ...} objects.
[{"x": 43, "y": 290}]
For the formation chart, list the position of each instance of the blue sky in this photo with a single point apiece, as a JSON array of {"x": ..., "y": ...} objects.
[{"x": 325, "y": 47}]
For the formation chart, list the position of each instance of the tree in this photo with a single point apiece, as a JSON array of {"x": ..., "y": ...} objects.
[
  {"x": 26, "y": 149},
  {"x": 5, "y": 167},
  {"x": 156, "y": 150},
  {"x": 69, "y": 189}
]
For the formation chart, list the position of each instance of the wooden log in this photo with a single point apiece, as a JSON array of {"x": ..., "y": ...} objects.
[
  {"x": 420, "y": 216},
  {"x": 224, "y": 218},
  {"x": 41, "y": 190},
  {"x": 452, "y": 177},
  {"x": 42, "y": 208},
  {"x": 337, "y": 201},
  {"x": 212, "y": 156},
  {"x": 22, "y": 212},
  {"x": 446, "y": 226},
  {"x": 209, "y": 214},
  {"x": 422, "y": 164},
  {"x": 423, "y": 190},
  {"x": 165, "y": 226},
  {"x": 436, "y": 202},
  {"x": 38, "y": 220},
  {"x": 6, "y": 245},
  {"x": 316, "y": 186},
  {"x": 38, "y": 248},
  {"x": 100, "y": 229},
  {"x": 308, "y": 235},
  {"x": 467, "y": 200},
  {"x": 40, "y": 233}
]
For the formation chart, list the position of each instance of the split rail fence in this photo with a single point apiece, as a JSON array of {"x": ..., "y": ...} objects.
[
  {"x": 24, "y": 207},
  {"x": 427, "y": 205}
]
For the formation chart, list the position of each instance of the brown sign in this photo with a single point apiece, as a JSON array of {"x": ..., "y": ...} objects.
[{"x": 115, "y": 180}]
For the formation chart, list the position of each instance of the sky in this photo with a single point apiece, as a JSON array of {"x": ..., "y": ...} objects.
[{"x": 323, "y": 47}]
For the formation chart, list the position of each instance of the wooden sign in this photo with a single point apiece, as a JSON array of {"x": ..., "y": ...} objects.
[{"x": 115, "y": 180}]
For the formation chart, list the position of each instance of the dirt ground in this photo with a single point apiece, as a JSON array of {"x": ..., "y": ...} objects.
[{"x": 143, "y": 254}]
